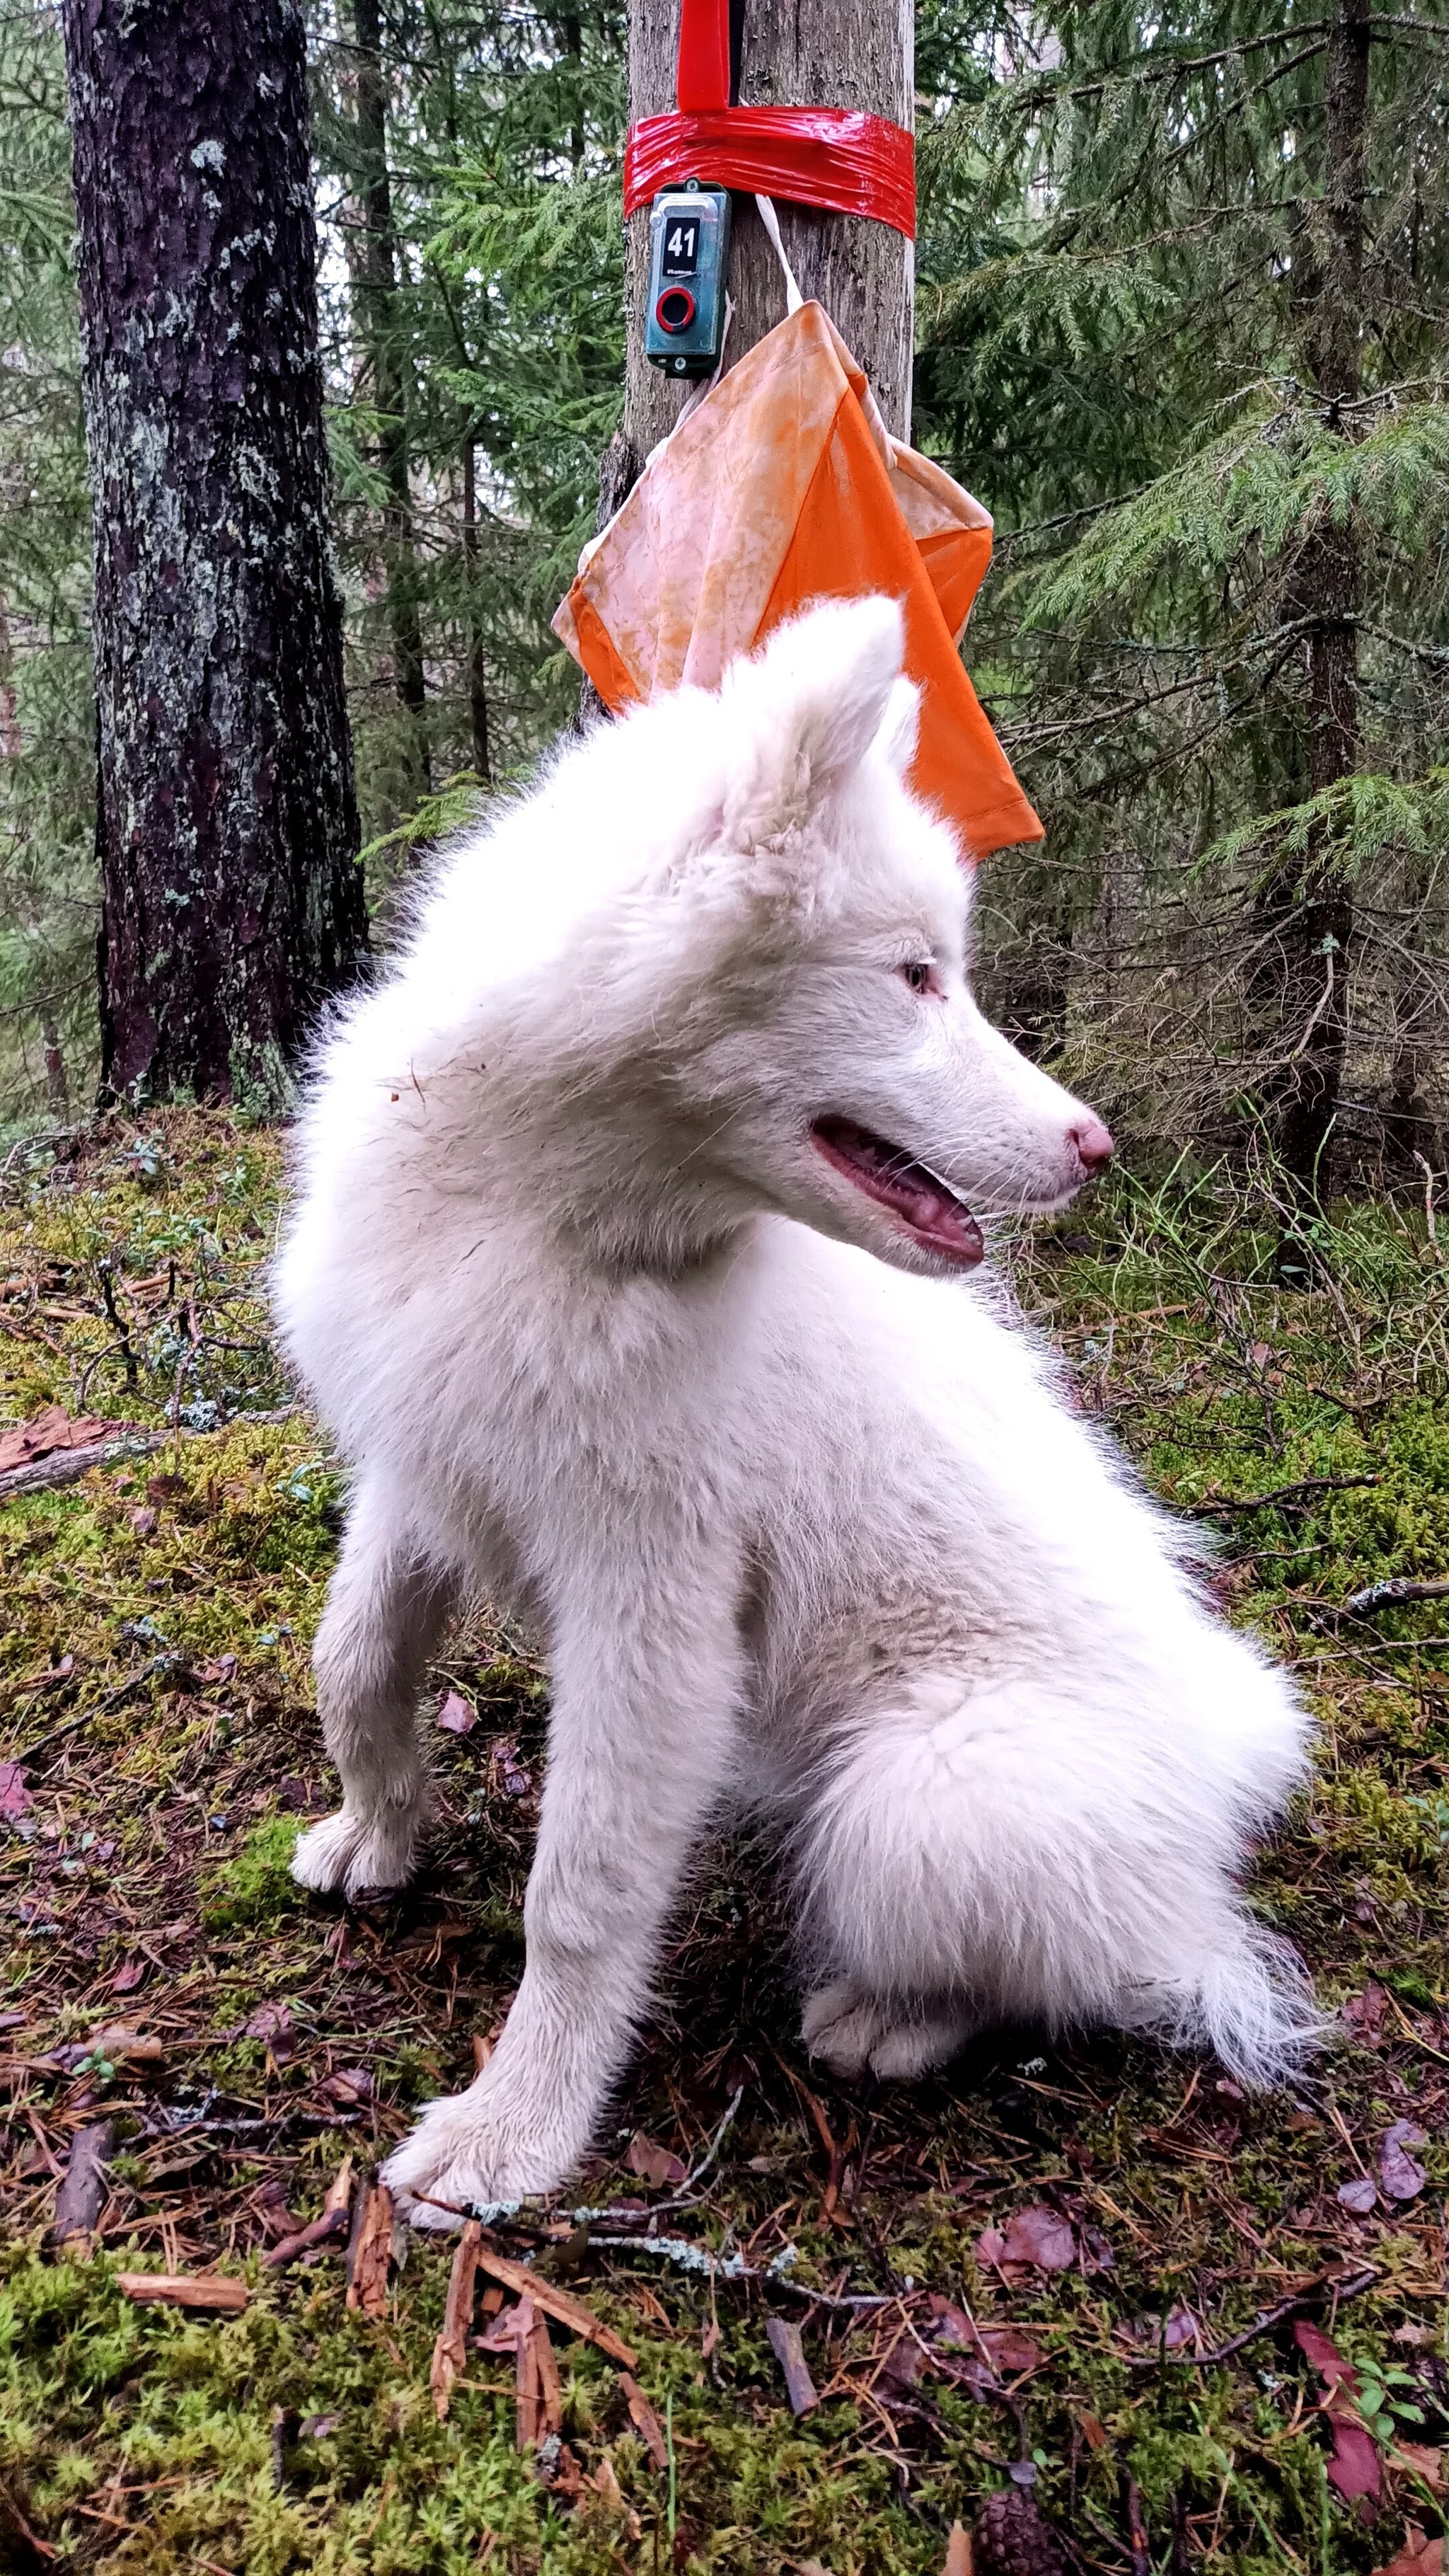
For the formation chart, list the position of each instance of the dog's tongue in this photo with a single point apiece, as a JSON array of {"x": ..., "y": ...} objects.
[{"x": 884, "y": 1172}]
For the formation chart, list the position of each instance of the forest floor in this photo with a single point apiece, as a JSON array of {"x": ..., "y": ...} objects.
[{"x": 1060, "y": 2237}]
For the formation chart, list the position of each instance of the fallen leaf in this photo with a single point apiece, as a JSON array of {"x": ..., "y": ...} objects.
[
  {"x": 501, "y": 2333},
  {"x": 279, "y": 2221},
  {"x": 1359, "y": 2193},
  {"x": 15, "y": 1798},
  {"x": 1355, "y": 2468},
  {"x": 1036, "y": 2235},
  {"x": 349, "y": 2086},
  {"x": 1400, "y": 2173},
  {"x": 457, "y": 1714},
  {"x": 1094, "y": 2252},
  {"x": 273, "y": 2024},
  {"x": 899, "y": 2371},
  {"x": 370, "y": 2255},
  {"x": 651, "y": 2163},
  {"x": 220, "y": 1669},
  {"x": 1323, "y": 2355},
  {"x": 1011, "y": 2351},
  {"x": 1363, "y": 2014},
  {"x": 23, "y": 1442},
  {"x": 143, "y": 1519},
  {"x": 709, "y": 2341},
  {"x": 644, "y": 2420},
  {"x": 187, "y": 2290},
  {"x": 81, "y": 2195},
  {"x": 1094, "y": 2432},
  {"x": 450, "y": 2352},
  {"x": 330, "y": 2226},
  {"x": 1423, "y": 2459},
  {"x": 128, "y": 1976},
  {"x": 1419, "y": 2556},
  {"x": 514, "y": 1779}
]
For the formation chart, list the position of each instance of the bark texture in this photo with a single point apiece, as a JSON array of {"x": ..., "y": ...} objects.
[
  {"x": 226, "y": 821},
  {"x": 849, "y": 53}
]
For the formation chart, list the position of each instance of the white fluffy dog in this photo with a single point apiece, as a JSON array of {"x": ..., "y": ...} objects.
[{"x": 629, "y": 1273}]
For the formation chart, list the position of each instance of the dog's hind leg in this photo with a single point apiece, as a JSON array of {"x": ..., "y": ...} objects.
[
  {"x": 641, "y": 1739},
  {"x": 851, "y": 2029},
  {"x": 1009, "y": 1853},
  {"x": 385, "y": 1611}
]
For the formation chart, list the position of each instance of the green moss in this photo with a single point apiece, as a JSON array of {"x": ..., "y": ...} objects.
[
  {"x": 257, "y": 1887},
  {"x": 199, "y": 1757}
]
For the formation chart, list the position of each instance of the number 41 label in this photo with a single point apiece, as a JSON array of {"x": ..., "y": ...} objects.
[{"x": 681, "y": 247}]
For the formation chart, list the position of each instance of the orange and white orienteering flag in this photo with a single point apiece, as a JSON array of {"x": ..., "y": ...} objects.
[{"x": 784, "y": 486}]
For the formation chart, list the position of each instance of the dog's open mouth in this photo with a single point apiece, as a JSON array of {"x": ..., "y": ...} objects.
[{"x": 931, "y": 1213}]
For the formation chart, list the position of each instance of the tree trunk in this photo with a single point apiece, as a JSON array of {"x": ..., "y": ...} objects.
[
  {"x": 57, "y": 1086},
  {"x": 839, "y": 53},
  {"x": 226, "y": 825},
  {"x": 376, "y": 276},
  {"x": 1311, "y": 907}
]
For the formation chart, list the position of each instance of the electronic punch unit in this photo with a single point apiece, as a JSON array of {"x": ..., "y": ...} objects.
[{"x": 689, "y": 257}]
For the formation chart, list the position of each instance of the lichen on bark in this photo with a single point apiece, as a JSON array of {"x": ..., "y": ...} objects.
[{"x": 226, "y": 820}]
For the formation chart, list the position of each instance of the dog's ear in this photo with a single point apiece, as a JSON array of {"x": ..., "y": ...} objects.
[
  {"x": 802, "y": 715},
  {"x": 900, "y": 727}
]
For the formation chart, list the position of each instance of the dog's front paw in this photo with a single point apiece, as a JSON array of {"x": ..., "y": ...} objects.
[
  {"x": 463, "y": 2155},
  {"x": 350, "y": 1854},
  {"x": 849, "y": 2029}
]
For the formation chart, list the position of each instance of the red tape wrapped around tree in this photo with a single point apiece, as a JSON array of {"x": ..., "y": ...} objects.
[{"x": 817, "y": 156}]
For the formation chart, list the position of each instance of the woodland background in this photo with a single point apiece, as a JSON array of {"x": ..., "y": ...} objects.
[
  {"x": 1180, "y": 315},
  {"x": 1116, "y": 319}
]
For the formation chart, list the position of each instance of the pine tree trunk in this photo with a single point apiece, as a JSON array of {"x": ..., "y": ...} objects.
[
  {"x": 839, "y": 53},
  {"x": 376, "y": 273},
  {"x": 1309, "y": 907},
  {"x": 226, "y": 823}
]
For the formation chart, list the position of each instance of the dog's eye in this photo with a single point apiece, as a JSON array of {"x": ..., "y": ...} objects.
[{"x": 921, "y": 978}]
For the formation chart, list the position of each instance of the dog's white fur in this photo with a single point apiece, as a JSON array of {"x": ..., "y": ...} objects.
[{"x": 800, "y": 1517}]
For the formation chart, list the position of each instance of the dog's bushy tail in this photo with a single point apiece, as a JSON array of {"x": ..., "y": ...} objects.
[{"x": 1253, "y": 2005}]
